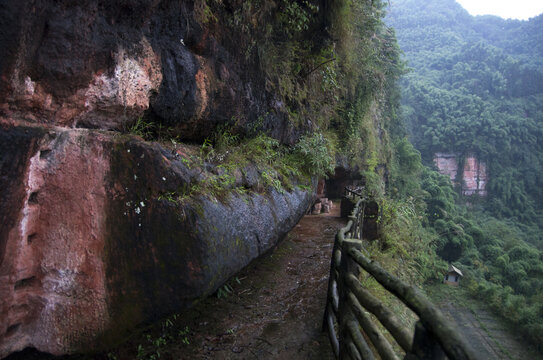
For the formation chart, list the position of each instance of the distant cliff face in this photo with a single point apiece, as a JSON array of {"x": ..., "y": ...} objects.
[
  {"x": 473, "y": 174},
  {"x": 90, "y": 243},
  {"x": 447, "y": 165}
]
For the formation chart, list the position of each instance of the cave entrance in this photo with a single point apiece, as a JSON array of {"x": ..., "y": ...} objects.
[
  {"x": 334, "y": 186},
  {"x": 331, "y": 190}
]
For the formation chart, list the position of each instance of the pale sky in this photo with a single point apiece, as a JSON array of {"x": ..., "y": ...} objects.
[{"x": 507, "y": 9}]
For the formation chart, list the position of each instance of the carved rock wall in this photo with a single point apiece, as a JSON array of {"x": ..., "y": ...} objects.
[
  {"x": 447, "y": 164},
  {"x": 473, "y": 173},
  {"x": 52, "y": 273},
  {"x": 90, "y": 249}
]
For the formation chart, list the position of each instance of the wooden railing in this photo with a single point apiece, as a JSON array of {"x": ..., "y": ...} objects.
[{"x": 346, "y": 315}]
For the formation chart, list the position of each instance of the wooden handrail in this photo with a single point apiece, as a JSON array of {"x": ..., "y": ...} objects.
[
  {"x": 433, "y": 337},
  {"x": 454, "y": 345},
  {"x": 403, "y": 336}
]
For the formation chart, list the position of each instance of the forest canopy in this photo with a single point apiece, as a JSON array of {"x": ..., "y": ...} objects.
[{"x": 475, "y": 87}]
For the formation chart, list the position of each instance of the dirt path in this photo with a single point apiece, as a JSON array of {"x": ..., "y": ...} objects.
[
  {"x": 473, "y": 331},
  {"x": 489, "y": 336},
  {"x": 275, "y": 310}
]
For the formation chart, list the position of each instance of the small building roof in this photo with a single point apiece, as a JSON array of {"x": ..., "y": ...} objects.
[{"x": 454, "y": 269}]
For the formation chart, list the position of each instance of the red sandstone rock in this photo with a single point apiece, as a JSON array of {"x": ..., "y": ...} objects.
[
  {"x": 107, "y": 101},
  {"x": 83, "y": 64},
  {"x": 474, "y": 175},
  {"x": 89, "y": 249},
  {"x": 447, "y": 164},
  {"x": 320, "y": 187},
  {"x": 52, "y": 278}
]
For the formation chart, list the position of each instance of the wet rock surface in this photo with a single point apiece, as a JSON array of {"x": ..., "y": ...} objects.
[
  {"x": 273, "y": 309},
  {"x": 91, "y": 248},
  {"x": 276, "y": 309},
  {"x": 92, "y": 241},
  {"x": 51, "y": 271},
  {"x": 102, "y": 65}
]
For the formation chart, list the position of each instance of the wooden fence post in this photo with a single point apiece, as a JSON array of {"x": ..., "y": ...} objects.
[
  {"x": 346, "y": 316},
  {"x": 370, "y": 220},
  {"x": 425, "y": 345}
]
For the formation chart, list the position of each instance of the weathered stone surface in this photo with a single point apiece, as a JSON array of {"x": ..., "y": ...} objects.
[
  {"x": 89, "y": 245},
  {"x": 320, "y": 187},
  {"x": 103, "y": 64},
  {"x": 52, "y": 273},
  {"x": 473, "y": 174},
  {"x": 90, "y": 249},
  {"x": 447, "y": 165}
]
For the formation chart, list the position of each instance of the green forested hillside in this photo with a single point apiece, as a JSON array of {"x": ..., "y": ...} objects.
[{"x": 475, "y": 86}]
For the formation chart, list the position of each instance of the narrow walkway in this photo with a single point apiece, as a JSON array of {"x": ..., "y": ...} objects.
[
  {"x": 272, "y": 310},
  {"x": 489, "y": 336},
  {"x": 275, "y": 310}
]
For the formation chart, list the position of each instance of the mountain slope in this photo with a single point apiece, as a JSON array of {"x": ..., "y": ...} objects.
[
  {"x": 476, "y": 87},
  {"x": 475, "y": 95}
]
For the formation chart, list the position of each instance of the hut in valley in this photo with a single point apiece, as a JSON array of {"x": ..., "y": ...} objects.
[{"x": 453, "y": 275}]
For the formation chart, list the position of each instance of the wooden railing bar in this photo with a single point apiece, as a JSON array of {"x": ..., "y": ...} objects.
[
  {"x": 335, "y": 296},
  {"x": 337, "y": 259},
  {"x": 331, "y": 331},
  {"x": 425, "y": 345},
  {"x": 377, "y": 338},
  {"x": 359, "y": 341},
  {"x": 352, "y": 228},
  {"x": 343, "y": 231},
  {"x": 351, "y": 224},
  {"x": 433, "y": 320},
  {"x": 353, "y": 351},
  {"x": 353, "y": 192},
  {"x": 403, "y": 336},
  {"x": 345, "y": 315}
]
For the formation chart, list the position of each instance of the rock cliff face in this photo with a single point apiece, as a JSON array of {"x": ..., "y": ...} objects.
[
  {"x": 89, "y": 245},
  {"x": 473, "y": 173},
  {"x": 474, "y": 177},
  {"x": 98, "y": 64},
  {"x": 90, "y": 248},
  {"x": 447, "y": 165}
]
